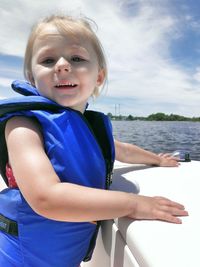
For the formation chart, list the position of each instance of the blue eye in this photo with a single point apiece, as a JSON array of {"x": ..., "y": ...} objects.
[
  {"x": 48, "y": 61},
  {"x": 77, "y": 59}
]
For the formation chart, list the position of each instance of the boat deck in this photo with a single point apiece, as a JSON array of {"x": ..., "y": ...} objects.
[{"x": 127, "y": 243}]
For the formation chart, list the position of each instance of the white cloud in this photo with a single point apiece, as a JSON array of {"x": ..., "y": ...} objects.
[
  {"x": 4, "y": 82},
  {"x": 137, "y": 46},
  {"x": 196, "y": 75}
]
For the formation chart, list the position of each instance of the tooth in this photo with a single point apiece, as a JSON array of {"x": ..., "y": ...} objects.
[{"x": 66, "y": 84}]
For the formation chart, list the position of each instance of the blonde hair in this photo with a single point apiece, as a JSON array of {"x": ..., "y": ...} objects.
[{"x": 67, "y": 25}]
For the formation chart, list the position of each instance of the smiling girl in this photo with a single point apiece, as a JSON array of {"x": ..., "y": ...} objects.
[{"x": 59, "y": 156}]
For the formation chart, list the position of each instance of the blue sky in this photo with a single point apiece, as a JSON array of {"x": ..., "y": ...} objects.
[{"x": 152, "y": 49}]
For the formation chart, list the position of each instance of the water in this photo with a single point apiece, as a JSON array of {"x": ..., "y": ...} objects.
[{"x": 159, "y": 136}]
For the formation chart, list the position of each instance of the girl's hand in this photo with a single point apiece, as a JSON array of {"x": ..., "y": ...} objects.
[
  {"x": 157, "y": 208},
  {"x": 166, "y": 160}
]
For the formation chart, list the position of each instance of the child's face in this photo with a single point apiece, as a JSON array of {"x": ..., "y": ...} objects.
[{"x": 65, "y": 70}]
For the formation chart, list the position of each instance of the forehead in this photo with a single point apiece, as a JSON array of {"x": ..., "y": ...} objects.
[{"x": 50, "y": 36}]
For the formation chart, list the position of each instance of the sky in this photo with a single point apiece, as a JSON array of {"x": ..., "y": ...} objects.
[{"x": 152, "y": 49}]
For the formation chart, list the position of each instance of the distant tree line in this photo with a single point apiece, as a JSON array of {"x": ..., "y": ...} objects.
[{"x": 154, "y": 117}]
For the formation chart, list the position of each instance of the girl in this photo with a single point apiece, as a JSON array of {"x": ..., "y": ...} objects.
[{"x": 59, "y": 156}]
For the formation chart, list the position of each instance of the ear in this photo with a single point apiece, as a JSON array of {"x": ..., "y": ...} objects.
[{"x": 101, "y": 77}]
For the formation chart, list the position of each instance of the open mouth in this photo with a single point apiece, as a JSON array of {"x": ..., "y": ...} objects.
[{"x": 66, "y": 86}]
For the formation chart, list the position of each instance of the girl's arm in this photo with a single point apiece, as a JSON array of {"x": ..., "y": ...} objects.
[
  {"x": 50, "y": 198},
  {"x": 133, "y": 154}
]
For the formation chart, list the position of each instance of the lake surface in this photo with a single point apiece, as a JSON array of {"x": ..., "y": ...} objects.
[{"x": 159, "y": 136}]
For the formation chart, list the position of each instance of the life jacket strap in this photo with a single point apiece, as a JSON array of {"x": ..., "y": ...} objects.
[
  {"x": 92, "y": 243},
  {"x": 9, "y": 226}
]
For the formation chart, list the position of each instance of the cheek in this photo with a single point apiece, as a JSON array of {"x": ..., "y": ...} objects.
[
  {"x": 89, "y": 75},
  {"x": 87, "y": 69},
  {"x": 40, "y": 84},
  {"x": 40, "y": 76},
  {"x": 82, "y": 70}
]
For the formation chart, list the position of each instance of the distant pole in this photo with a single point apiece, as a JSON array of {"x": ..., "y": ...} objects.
[
  {"x": 115, "y": 110},
  {"x": 119, "y": 109}
]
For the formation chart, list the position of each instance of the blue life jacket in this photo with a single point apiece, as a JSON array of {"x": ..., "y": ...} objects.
[{"x": 81, "y": 150}]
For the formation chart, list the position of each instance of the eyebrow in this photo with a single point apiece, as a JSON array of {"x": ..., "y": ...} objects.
[
  {"x": 45, "y": 51},
  {"x": 76, "y": 49}
]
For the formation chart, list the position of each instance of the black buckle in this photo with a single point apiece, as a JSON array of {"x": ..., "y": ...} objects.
[{"x": 9, "y": 226}]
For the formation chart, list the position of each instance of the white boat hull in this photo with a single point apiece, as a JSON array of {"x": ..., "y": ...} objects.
[{"x": 127, "y": 243}]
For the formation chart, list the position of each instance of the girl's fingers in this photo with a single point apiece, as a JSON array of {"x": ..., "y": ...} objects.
[
  {"x": 163, "y": 216},
  {"x": 168, "y": 202},
  {"x": 165, "y": 155},
  {"x": 168, "y": 210},
  {"x": 174, "y": 211}
]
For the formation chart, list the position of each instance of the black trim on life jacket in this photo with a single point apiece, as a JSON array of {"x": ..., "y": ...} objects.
[
  {"x": 9, "y": 107},
  {"x": 3, "y": 152},
  {"x": 97, "y": 124}
]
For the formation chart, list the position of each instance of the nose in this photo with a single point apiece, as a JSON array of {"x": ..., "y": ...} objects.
[{"x": 62, "y": 65}]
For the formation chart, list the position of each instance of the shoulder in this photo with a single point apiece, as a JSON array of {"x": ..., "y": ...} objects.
[
  {"x": 21, "y": 127},
  {"x": 21, "y": 122}
]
